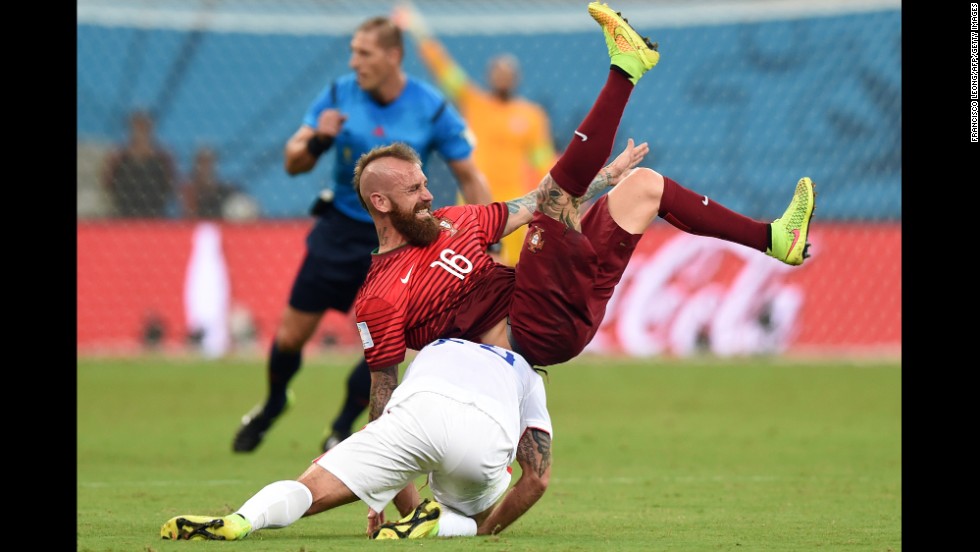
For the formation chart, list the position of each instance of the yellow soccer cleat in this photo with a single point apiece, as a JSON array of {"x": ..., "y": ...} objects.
[
  {"x": 233, "y": 527},
  {"x": 789, "y": 232},
  {"x": 628, "y": 50},
  {"x": 422, "y": 522}
]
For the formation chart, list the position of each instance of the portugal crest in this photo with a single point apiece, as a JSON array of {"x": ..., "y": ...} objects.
[
  {"x": 447, "y": 226},
  {"x": 535, "y": 239}
]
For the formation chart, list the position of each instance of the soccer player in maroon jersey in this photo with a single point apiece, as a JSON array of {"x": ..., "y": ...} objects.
[{"x": 432, "y": 278}]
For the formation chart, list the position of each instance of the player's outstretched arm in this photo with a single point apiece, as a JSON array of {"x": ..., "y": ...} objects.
[
  {"x": 522, "y": 209},
  {"x": 448, "y": 74},
  {"x": 534, "y": 456}
]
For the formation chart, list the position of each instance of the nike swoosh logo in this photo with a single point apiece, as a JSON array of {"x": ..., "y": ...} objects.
[
  {"x": 582, "y": 136},
  {"x": 796, "y": 238},
  {"x": 705, "y": 200},
  {"x": 407, "y": 276}
]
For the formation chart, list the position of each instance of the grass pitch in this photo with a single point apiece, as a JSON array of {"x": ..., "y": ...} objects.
[{"x": 695, "y": 455}]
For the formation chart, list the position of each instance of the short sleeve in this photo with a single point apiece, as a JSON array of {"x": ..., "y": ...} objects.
[{"x": 453, "y": 138}]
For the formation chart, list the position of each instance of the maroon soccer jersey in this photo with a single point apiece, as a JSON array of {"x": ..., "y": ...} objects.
[{"x": 450, "y": 288}]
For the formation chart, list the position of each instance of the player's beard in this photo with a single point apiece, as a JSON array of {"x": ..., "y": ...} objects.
[{"x": 419, "y": 232}]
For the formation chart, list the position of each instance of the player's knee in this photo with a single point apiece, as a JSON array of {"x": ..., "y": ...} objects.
[
  {"x": 288, "y": 344},
  {"x": 637, "y": 197},
  {"x": 650, "y": 182},
  {"x": 295, "y": 329}
]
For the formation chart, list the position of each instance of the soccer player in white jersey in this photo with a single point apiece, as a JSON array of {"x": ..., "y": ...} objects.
[{"x": 461, "y": 415}]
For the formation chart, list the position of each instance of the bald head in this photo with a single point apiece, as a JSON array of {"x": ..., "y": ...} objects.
[
  {"x": 392, "y": 187},
  {"x": 384, "y": 169}
]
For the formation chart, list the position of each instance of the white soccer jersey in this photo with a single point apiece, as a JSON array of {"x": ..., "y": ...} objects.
[
  {"x": 495, "y": 380},
  {"x": 457, "y": 415}
]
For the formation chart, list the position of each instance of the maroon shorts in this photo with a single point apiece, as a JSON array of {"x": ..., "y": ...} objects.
[{"x": 564, "y": 281}]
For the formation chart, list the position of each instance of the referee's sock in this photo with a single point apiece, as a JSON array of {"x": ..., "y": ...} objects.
[
  {"x": 283, "y": 365},
  {"x": 357, "y": 399}
]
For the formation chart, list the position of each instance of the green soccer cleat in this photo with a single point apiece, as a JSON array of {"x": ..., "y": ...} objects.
[
  {"x": 789, "y": 232},
  {"x": 255, "y": 424},
  {"x": 233, "y": 527},
  {"x": 422, "y": 522},
  {"x": 627, "y": 49}
]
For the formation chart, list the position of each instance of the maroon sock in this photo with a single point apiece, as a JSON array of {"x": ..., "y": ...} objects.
[
  {"x": 702, "y": 216},
  {"x": 584, "y": 157}
]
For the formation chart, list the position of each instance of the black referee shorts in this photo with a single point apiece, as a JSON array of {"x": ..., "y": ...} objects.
[{"x": 338, "y": 256}]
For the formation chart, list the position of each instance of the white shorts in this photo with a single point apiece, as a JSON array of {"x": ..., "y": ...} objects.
[{"x": 465, "y": 451}]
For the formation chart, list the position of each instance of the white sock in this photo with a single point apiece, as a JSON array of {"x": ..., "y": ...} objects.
[
  {"x": 277, "y": 505},
  {"x": 455, "y": 524}
]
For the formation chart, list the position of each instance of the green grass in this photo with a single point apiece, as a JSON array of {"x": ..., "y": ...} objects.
[{"x": 698, "y": 455}]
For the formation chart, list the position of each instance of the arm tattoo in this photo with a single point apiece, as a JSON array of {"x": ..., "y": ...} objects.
[
  {"x": 535, "y": 449},
  {"x": 383, "y": 383},
  {"x": 554, "y": 202},
  {"x": 598, "y": 184},
  {"x": 530, "y": 201}
]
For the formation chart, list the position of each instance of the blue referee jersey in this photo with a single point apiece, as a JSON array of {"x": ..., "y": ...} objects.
[{"x": 421, "y": 117}]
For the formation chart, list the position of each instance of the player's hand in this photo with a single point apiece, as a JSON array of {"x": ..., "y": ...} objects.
[
  {"x": 408, "y": 18},
  {"x": 330, "y": 122},
  {"x": 375, "y": 520},
  {"x": 628, "y": 159},
  {"x": 401, "y": 16}
]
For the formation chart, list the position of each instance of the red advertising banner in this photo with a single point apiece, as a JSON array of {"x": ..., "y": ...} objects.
[
  {"x": 682, "y": 294},
  {"x": 685, "y": 294}
]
